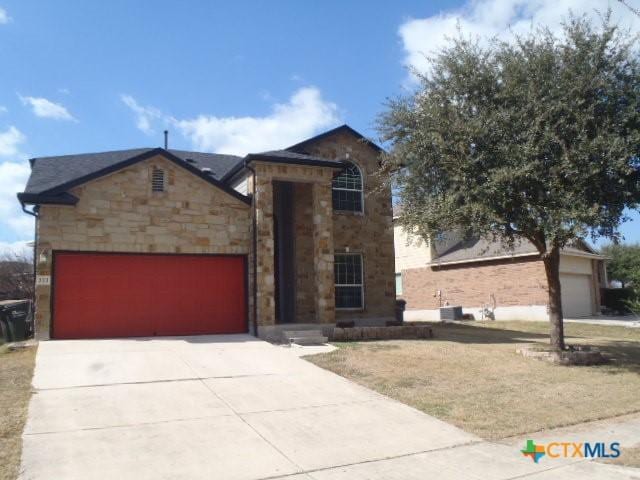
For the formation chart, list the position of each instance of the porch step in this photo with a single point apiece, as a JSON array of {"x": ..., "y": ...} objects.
[{"x": 305, "y": 337}]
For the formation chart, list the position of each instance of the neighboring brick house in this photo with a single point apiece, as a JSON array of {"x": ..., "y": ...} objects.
[
  {"x": 161, "y": 242},
  {"x": 479, "y": 275}
]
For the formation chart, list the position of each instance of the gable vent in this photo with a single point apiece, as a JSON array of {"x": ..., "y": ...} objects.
[{"x": 157, "y": 180}]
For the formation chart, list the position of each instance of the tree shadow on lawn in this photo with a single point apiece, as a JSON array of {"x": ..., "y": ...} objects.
[
  {"x": 624, "y": 356},
  {"x": 455, "y": 332}
]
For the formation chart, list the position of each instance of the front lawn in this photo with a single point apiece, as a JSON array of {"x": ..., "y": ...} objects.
[
  {"x": 16, "y": 370},
  {"x": 471, "y": 376}
]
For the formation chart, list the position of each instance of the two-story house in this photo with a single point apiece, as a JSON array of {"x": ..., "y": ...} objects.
[{"x": 156, "y": 241}]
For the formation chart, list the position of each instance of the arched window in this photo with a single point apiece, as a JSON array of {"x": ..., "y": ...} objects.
[{"x": 347, "y": 189}]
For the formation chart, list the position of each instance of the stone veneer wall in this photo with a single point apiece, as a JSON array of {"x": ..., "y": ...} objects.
[
  {"x": 370, "y": 233},
  {"x": 320, "y": 223},
  {"x": 303, "y": 228},
  {"x": 513, "y": 282},
  {"x": 119, "y": 213}
]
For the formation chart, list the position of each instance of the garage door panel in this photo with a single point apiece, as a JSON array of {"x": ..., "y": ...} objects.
[
  {"x": 577, "y": 297},
  {"x": 120, "y": 295}
]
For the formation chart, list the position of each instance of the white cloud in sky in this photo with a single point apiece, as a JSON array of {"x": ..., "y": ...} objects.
[
  {"x": 303, "y": 115},
  {"x": 20, "y": 249},
  {"x": 14, "y": 171},
  {"x": 145, "y": 116},
  {"x": 4, "y": 16},
  {"x": 10, "y": 141},
  {"x": 501, "y": 18},
  {"x": 3, "y": 109},
  {"x": 43, "y": 108}
]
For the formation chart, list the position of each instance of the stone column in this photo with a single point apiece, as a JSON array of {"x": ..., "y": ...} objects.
[
  {"x": 265, "y": 252},
  {"x": 323, "y": 253}
]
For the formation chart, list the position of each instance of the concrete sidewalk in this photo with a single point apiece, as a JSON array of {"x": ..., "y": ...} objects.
[{"x": 233, "y": 407}]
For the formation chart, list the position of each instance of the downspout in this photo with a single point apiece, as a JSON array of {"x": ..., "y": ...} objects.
[
  {"x": 254, "y": 246},
  {"x": 33, "y": 213}
]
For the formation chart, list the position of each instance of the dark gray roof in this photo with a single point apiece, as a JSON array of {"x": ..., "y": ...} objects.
[
  {"x": 283, "y": 156},
  {"x": 477, "y": 249},
  {"x": 51, "y": 177},
  {"x": 50, "y": 172},
  {"x": 302, "y": 146},
  {"x": 219, "y": 163}
]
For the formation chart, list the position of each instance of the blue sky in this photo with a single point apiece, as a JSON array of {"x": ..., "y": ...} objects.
[{"x": 231, "y": 77}]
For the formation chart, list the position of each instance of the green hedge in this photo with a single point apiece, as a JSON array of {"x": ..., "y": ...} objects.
[{"x": 616, "y": 298}]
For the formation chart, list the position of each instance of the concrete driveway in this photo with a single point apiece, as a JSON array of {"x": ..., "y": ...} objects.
[{"x": 233, "y": 407}]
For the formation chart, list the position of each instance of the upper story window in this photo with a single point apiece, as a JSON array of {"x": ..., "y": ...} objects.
[
  {"x": 157, "y": 180},
  {"x": 347, "y": 189}
]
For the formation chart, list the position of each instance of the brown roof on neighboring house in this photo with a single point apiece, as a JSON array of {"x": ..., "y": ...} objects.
[{"x": 476, "y": 249}]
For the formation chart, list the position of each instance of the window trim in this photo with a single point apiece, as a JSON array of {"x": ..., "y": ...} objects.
[
  {"x": 401, "y": 290},
  {"x": 361, "y": 285},
  {"x": 361, "y": 190}
]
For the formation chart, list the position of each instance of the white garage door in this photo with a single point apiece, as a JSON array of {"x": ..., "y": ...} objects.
[{"x": 576, "y": 295}]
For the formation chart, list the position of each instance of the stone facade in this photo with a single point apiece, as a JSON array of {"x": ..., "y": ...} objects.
[
  {"x": 319, "y": 181},
  {"x": 303, "y": 231},
  {"x": 369, "y": 233},
  {"x": 120, "y": 213}
]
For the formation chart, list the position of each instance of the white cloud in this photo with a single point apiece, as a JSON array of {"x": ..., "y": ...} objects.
[
  {"x": 13, "y": 221},
  {"x": 145, "y": 116},
  {"x": 41, "y": 107},
  {"x": 498, "y": 18},
  {"x": 3, "y": 109},
  {"x": 10, "y": 141},
  {"x": 14, "y": 171},
  {"x": 302, "y": 116},
  {"x": 4, "y": 16},
  {"x": 19, "y": 248}
]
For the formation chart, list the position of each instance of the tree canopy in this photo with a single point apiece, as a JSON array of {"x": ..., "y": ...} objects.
[
  {"x": 535, "y": 139},
  {"x": 623, "y": 264}
]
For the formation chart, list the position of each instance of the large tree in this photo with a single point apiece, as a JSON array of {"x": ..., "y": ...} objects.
[
  {"x": 536, "y": 139},
  {"x": 623, "y": 263}
]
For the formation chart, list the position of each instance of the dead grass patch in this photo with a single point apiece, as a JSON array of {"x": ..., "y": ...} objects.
[
  {"x": 16, "y": 370},
  {"x": 471, "y": 376}
]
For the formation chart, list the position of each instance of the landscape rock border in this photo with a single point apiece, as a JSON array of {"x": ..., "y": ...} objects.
[
  {"x": 403, "y": 332},
  {"x": 573, "y": 355}
]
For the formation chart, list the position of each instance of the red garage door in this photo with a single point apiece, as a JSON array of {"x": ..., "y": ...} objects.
[{"x": 122, "y": 295}]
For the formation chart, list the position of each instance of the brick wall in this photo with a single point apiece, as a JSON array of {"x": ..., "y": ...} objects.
[
  {"x": 119, "y": 213},
  {"x": 371, "y": 233},
  {"x": 512, "y": 282}
]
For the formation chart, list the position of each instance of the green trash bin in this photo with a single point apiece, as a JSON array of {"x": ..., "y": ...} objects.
[{"x": 16, "y": 320}]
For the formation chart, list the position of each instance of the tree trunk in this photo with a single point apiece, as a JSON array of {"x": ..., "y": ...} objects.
[{"x": 552, "y": 268}]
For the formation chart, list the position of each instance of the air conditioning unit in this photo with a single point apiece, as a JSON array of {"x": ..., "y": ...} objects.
[{"x": 450, "y": 313}]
